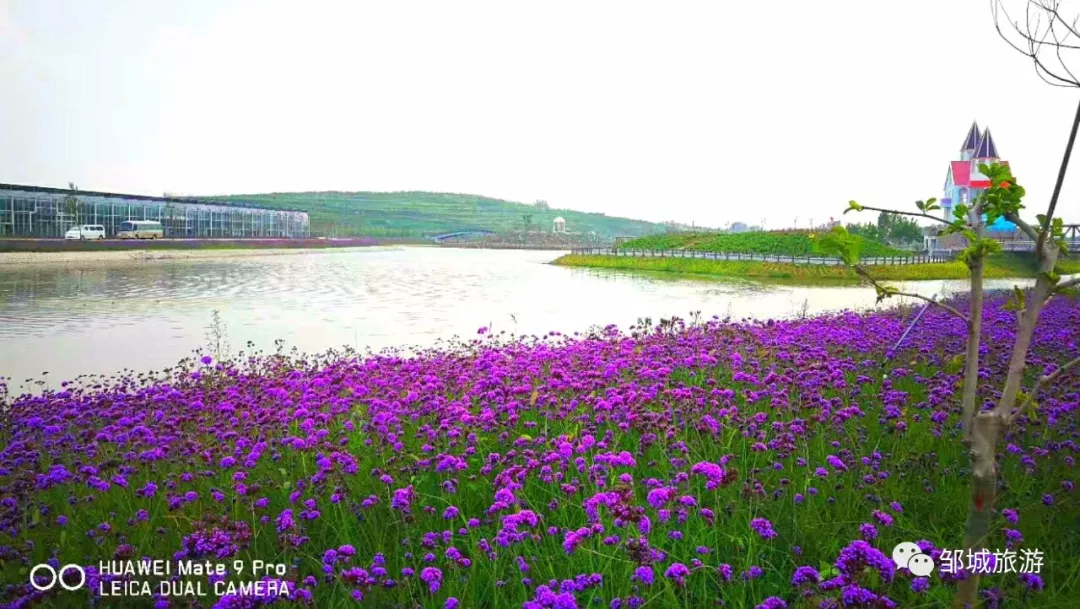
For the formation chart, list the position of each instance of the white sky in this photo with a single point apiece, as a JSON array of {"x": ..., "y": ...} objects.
[{"x": 691, "y": 111}]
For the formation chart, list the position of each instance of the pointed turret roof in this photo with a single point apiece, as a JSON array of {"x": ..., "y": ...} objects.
[
  {"x": 971, "y": 142},
  {"x": 987, "y": 149}
]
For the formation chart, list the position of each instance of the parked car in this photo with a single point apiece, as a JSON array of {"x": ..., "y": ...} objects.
[{"x": 86, "y": 231}]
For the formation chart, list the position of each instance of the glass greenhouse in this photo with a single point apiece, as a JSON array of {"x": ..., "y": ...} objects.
[{"x": 33, "y": 211}]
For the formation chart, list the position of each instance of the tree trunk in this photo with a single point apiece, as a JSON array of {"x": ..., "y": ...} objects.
[
  {"x": 985, "y": 430},
  {"x": 1018, "y": 359},
  {"x": 987, "y": 427},
  {"x": 971, "y": 356}
]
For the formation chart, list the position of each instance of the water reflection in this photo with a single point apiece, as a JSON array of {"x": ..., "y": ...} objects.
[{"x": 147, "y": 314}]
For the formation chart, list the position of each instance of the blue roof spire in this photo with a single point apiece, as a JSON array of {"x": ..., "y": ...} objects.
[
  {"x": 971, "y": 142},
  {"x": 987, "y": 149}
]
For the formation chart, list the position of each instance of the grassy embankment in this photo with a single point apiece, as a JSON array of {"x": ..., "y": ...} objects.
[
  {"x": 794, "y": 244},
  {"x": 1001, "y": 266}
]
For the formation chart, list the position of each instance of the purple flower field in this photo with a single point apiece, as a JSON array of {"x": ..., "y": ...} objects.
[{"x": 706, "y": 464}]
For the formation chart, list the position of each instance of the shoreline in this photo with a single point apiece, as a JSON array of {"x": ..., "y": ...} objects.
[
  {"x": 42, "y": 245},
  {"x": 27, "y": 258}
]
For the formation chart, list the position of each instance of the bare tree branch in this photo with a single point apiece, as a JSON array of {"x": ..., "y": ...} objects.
[
  {"x": 1035, "y": 48},
  {"x": 1072, "y": 283},
  {"x": 1034, "y": 38},
  {"x": 908, "y": 213},
  {"x": 1028, "y": 37},
  {"x": 1051, "y": 7},
  {"x": 1060, "y": 179},
  {"x": 1027, "y": 229},
  {"x": 1043, "y": 382},
  {"x": 861, "y": 270},
  {"x": 1060, "y": 289},
  {"x": 1060, "y": 44}
]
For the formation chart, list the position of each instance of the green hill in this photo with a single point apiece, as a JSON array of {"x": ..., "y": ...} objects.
[
  {"x": 420, "y": 214},
  {"x": 792, "y": 243}
]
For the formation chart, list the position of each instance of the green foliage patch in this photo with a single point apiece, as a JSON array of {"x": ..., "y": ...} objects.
[{"x": 793, "y": 243}]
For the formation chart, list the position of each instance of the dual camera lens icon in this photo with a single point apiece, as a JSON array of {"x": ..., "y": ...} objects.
[
  {"x": 56, "y": 577},
  {"x": 909, "y": 555}
]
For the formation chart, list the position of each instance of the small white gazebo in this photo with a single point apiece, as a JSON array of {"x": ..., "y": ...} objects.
[{"x": 559, "y": 226}]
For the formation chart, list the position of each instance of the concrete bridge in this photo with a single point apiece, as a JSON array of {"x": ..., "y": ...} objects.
[{"x": 464, "y": 234}]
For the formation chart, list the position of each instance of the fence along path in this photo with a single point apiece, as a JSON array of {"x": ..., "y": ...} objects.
[{"x": 820, "y": 260}]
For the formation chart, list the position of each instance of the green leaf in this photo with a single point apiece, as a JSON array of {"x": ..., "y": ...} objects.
[
  {"x": 827, "y": 570},
  {"x": 960, "y": 212},
  {"x": 1017, "y": 302},
  {"x": 1057, "y": 228},
  {"x": 875, "y": 578},
  {"x": 884, "y": 291},
  {"x": 840, "y": 243}
]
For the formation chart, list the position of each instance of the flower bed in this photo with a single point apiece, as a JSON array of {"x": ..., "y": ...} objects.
[{"x": 766, "y": 465}]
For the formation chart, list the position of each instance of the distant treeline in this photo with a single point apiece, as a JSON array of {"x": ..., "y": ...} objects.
[{"x": 889, "y": 228}]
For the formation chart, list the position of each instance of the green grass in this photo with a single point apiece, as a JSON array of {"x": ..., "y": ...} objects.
[
  {"x": 792, "y": 243},
  {"x": 398, "y": 214},
  {"x": 1024, "y": 265},
  {"x": 1000, "y": 266}
]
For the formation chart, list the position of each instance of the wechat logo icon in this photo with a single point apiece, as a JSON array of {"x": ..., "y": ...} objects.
[{"x": 910, "y": 556}]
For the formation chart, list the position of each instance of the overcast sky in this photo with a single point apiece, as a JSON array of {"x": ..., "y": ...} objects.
[{"x": 709, "y": 112}]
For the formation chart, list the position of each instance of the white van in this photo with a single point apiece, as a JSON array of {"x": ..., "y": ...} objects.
[{"x": 86, "y": 231}]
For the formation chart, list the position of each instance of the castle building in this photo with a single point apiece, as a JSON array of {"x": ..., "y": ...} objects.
[{"x": 963, "y": 182}]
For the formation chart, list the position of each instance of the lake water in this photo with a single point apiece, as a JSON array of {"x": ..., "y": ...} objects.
[{"x": 103, "y": 317}]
